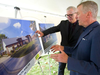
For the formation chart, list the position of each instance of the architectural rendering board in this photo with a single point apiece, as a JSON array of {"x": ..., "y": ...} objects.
[
  {"x": 19, "y": 44},
  {"x": 49, "y": 39}
]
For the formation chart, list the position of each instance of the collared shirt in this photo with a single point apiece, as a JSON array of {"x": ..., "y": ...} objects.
[
  {"x": 88, "y": 26},
  {"x": 72, "y": 27}
]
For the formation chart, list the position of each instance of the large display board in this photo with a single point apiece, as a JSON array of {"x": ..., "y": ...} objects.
[
  {"x": 19, "y": 44},
  {"x": 49, "y": 39}
]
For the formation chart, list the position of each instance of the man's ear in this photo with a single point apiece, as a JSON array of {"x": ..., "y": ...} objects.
[{"x": 89, "y": 14}]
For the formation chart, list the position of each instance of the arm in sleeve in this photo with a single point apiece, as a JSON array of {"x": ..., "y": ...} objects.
[
  {"x": 91, "y": 67},
  {"x": 52, "y": 29},
  {"x": 68, "y": 50}
]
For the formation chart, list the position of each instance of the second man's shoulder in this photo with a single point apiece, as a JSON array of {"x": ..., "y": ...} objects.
[{"x": 64, "y": 21}]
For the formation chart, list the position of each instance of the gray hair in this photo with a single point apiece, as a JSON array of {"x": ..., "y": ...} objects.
[
  {"x": 71, "y": 7},
  {"x": 89, "y": 6}
]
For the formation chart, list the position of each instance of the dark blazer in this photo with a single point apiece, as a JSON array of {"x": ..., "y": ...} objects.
[
  {"x": 63, "y": 28},
  {"x": 85, "y": 58}
]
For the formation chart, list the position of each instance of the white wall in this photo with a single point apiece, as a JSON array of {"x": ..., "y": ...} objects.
[
  {"x": 32, "y": 15},
  {"x": 98, "y": 19},
  {"x": 41, "y": 7}
]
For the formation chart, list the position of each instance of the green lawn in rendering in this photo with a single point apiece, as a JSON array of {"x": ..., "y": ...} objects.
[
  {"x": 44, "y": 62},
  {"x": 24, "y": 50}
]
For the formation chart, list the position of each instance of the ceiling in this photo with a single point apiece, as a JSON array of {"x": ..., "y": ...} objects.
[{"x": 57, "y": 7}]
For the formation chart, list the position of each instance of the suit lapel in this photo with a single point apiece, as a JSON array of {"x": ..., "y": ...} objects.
[
  {"x": 86, "y": 32},
  {"x": 82, "y": 37}
]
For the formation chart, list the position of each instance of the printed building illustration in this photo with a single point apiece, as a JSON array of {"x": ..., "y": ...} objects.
[{"x": 11, "y": 44}]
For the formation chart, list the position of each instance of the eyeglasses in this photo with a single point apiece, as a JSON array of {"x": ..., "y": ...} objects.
[{"x": 70, "y": 15}]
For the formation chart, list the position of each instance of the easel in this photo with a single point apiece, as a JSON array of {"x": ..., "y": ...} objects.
[
  {"x": 16, "y": 11},
  {"x": 40, "y": 65},
  {"x": 48, "y": 51}
]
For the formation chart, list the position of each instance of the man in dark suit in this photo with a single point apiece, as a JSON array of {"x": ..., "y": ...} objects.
[
  {"x": 70, "y": 32},
  {"x": 85, "y": 58}
]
